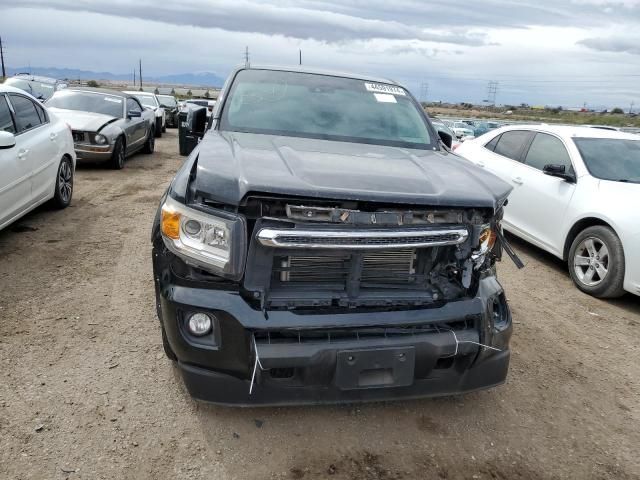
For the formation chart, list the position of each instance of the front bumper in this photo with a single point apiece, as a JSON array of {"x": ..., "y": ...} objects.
[
  {"x": 439, "y": 362},
  {"x": 93, "y": 152}
]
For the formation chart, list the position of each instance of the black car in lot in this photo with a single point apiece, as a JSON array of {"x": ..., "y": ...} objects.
[{"x": 320, "y": 245}]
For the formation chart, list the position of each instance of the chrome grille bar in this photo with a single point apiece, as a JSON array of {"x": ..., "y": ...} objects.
[{"x": 361, "y": 239}]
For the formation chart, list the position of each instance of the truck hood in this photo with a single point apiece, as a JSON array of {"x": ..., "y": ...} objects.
[
  {"x": 230, "y": 165},
  {"x": 83, "y": 121}
]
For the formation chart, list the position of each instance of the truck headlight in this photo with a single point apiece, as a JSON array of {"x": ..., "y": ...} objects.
[
  {"x": 214, "y": 240},
  {"x": 487, "y": 240}
]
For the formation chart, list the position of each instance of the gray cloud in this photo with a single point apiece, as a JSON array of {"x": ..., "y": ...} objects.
[
  {"x": 255, "y": 16},
  {"x": 453, "y": 22},
  {"x": 613, "y": 44},
  {"x": 453, "y": 46}
]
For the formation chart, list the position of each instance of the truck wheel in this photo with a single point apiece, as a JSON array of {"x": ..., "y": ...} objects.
[
  {"x": 150, "y": 144},
  {"x": 596, "y": 262},
  {"x": 158, "y": 127},
  {"x": 119, "y": 155},
  {"x": 167, "y": 348},
  {"x": 64, "y": 184}
]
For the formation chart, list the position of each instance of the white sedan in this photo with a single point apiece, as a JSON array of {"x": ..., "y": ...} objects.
[
  {"x": 576, "y": 195},
  {"x": 37, "y": 159}
]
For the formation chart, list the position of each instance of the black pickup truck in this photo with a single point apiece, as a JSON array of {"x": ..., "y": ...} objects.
[{"x": 322, "y": 244}]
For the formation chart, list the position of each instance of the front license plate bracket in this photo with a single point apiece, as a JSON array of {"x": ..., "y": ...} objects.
[{"x": 375, "y": 368}]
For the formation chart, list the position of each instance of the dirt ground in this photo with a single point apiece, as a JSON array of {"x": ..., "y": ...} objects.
[{"x": 86, "y": 392}]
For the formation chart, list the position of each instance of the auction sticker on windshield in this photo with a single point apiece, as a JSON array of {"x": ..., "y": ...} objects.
[{"x": 383, "y": 88}]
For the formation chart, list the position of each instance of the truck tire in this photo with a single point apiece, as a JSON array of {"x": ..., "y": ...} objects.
[
  {"x": 596, "y": 262},
  {"x": 167, "y": 348},
  {"x": 158, "y": 129}
]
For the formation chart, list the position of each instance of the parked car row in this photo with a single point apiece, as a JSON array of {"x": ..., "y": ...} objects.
[{"x": 45, "y": 128}]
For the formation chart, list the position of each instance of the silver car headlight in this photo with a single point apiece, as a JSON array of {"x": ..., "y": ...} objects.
[
  {"x": 100, "y": 139},
  {"x": 214, "y": 240}
]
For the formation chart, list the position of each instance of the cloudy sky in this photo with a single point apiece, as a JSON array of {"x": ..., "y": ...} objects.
[{"x": 539, "y": 51}]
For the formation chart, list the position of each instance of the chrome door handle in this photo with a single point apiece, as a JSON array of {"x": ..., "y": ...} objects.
[
  {"x": 517, "y": 180},
  {"x": 480, "y": 164},
  {"x": 53, "y": 136},
  {"x": 22, "y": 154}
]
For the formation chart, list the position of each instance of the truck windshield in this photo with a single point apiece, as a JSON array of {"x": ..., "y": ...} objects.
[
  {"x": 324, "y": 107},
  {"x": 616, "y": 159},
  {"x": 111, "y": 105}
]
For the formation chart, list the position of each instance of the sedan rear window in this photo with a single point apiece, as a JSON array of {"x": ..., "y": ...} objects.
[
  {"x": 87, "y": 102},
  {"x": 614, "y": 159},
  {"x": 324, "y": 107}
]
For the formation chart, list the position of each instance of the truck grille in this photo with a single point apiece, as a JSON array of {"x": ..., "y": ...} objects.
[
  {"x": 361, "y": 239},
  {"x": 380, "y": 267}
]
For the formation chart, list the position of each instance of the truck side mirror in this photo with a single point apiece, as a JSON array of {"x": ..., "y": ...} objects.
[
  {"x": 197, "y": 121},
  {"x": 446, "y": 138}
]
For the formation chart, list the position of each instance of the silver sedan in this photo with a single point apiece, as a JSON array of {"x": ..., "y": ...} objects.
[{"x": 107, "y": 125}]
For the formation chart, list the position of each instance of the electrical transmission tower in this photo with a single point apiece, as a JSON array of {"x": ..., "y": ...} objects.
[
  {"x": 246, "y": 57},
  {"x": 424, "y": 91},
  {"x": 492, "y": 92}
]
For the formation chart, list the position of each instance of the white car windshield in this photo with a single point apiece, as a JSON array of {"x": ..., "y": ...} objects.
[
  {"x": 111, "y": 105},
  {"x": 40, "y": 90},
  {"x": 147, "y": 100},
  {"x": 614, "y": 159}
]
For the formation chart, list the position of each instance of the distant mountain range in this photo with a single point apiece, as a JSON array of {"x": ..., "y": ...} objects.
[{"x": 204, "y": 79}]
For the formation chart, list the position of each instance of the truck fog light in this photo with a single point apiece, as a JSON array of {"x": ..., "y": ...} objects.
[{"x": 199, "y": 324}]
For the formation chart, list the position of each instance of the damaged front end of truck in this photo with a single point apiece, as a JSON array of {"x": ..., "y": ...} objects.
[{"x": 300, "y": 270}]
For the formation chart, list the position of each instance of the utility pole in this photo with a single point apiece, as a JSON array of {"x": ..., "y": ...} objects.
[
  {"x": 140, "y": 76},
  {"x": 300, "y": 58},
  {"x": 4, "y": 72},
  {"x": 247, "y": 64},
  {"x": 134, "y": 78},
  {"x": 630, "y": 107},
  {"x": 492, "y": 92}
]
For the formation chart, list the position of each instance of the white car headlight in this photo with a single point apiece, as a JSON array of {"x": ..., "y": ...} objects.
[{"x": 214, "y": 241}]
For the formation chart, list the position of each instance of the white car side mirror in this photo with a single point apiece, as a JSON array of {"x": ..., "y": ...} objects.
[{"x": 7, "y": 140}]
